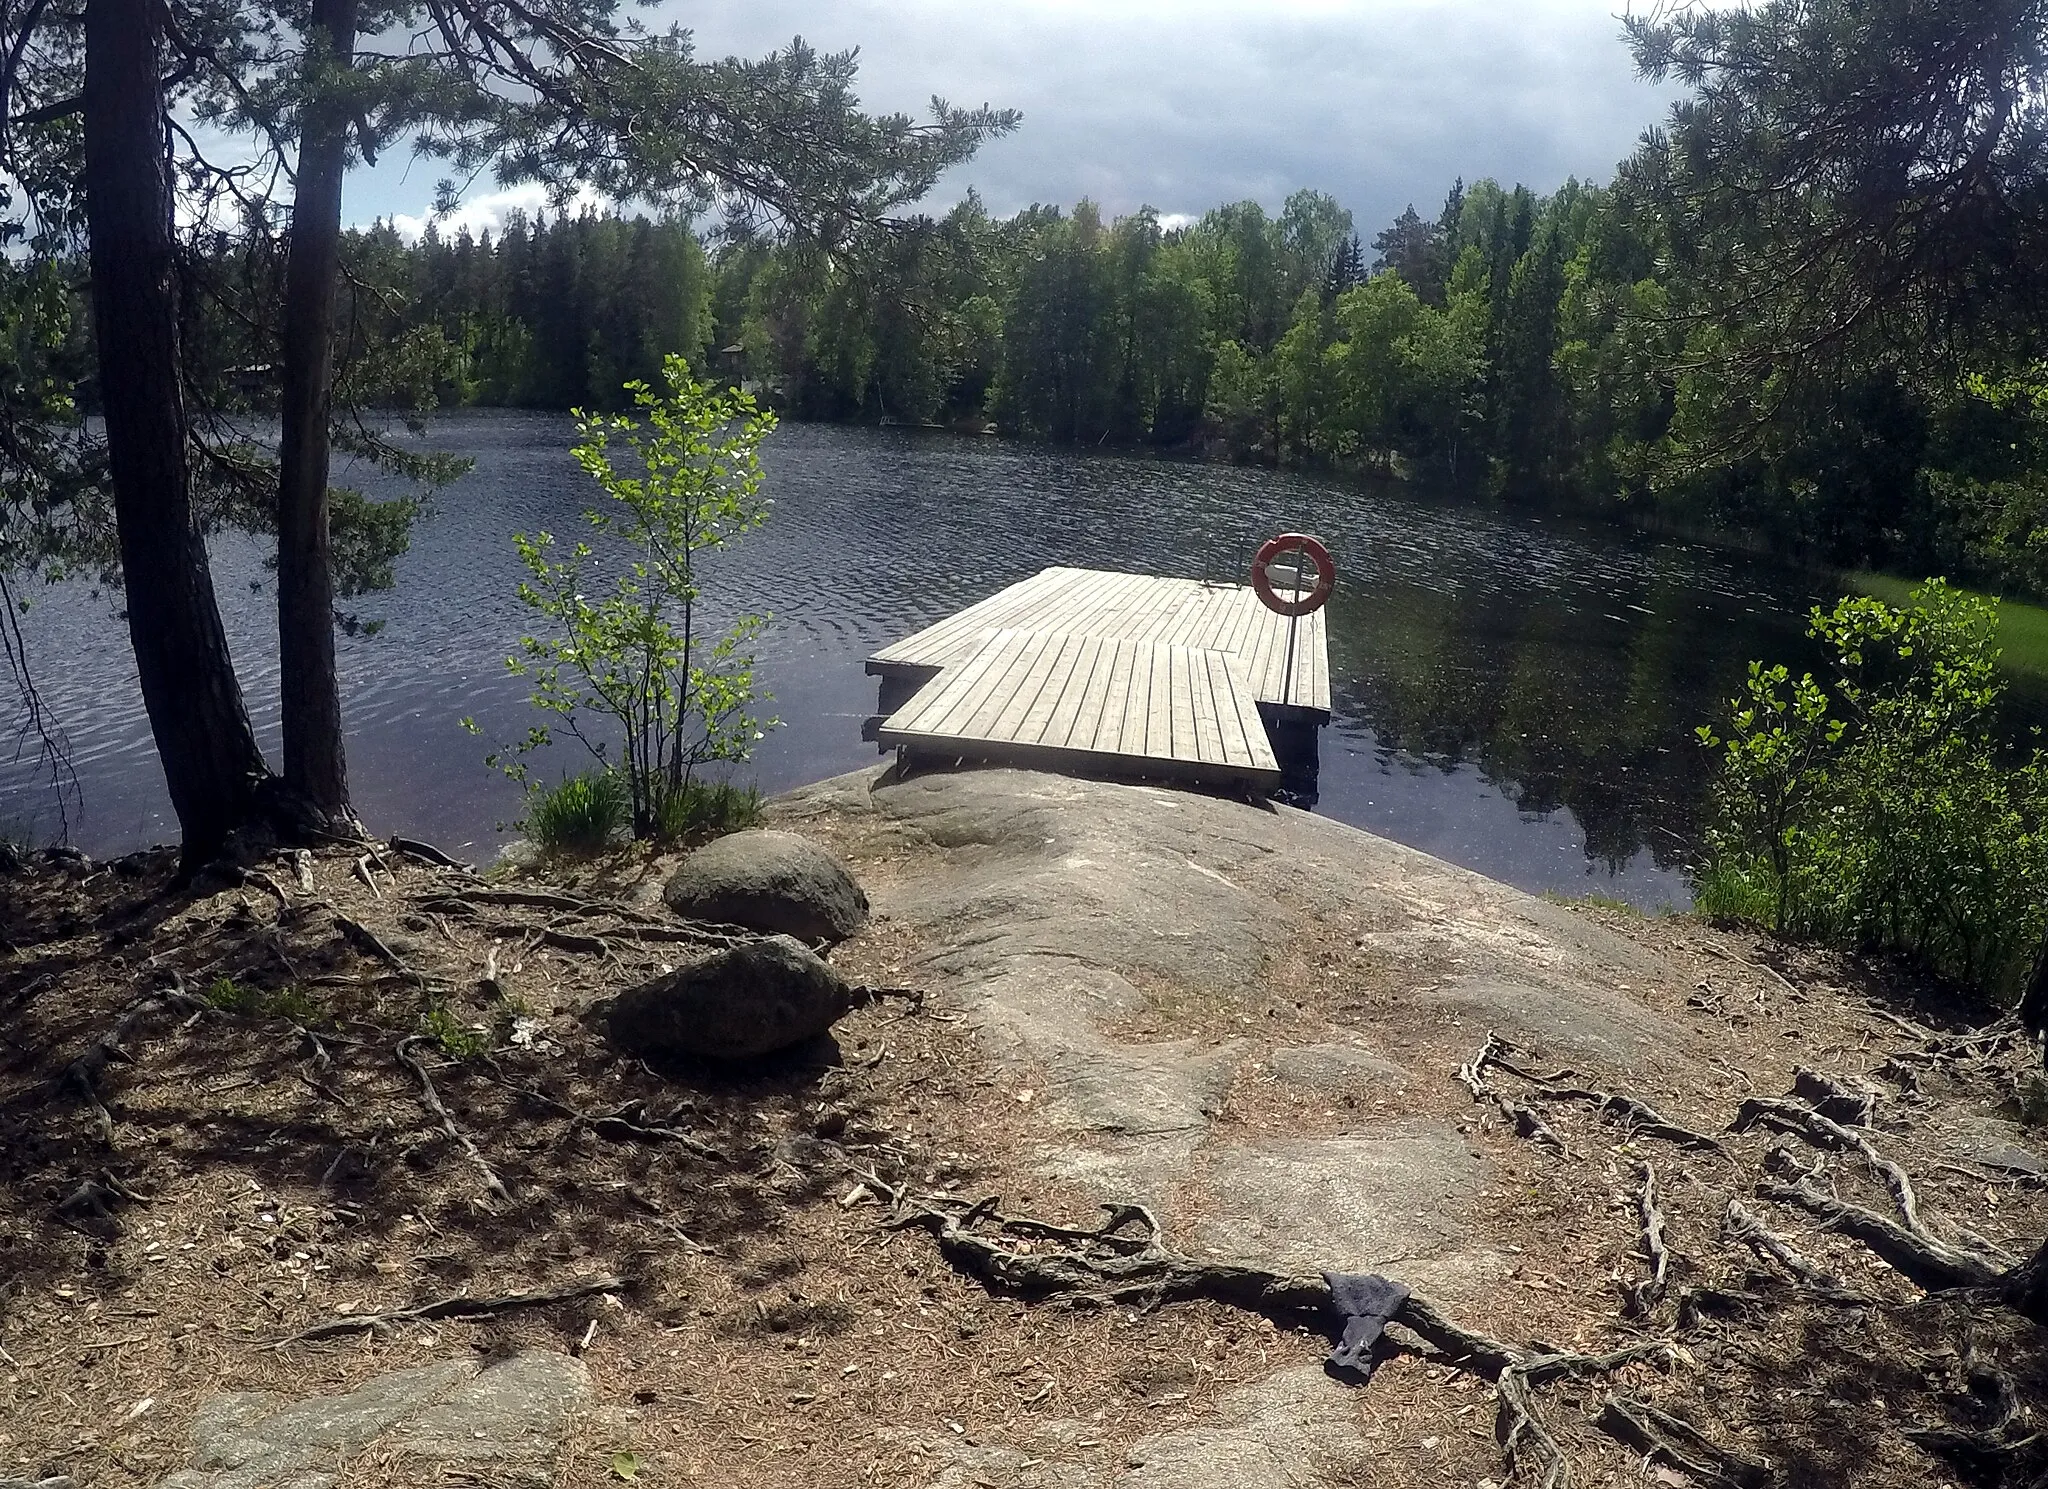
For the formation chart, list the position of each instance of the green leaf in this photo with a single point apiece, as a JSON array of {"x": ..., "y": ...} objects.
[{"x": 626, "y": 1466}]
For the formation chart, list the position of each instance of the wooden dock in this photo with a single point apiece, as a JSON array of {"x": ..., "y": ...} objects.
[{"x": 1111, "y": 674}]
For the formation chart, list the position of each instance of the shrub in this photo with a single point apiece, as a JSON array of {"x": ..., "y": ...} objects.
[
  {"x": 706, "y": 809},
  {"x": 584, "y": 814},
  {"x": 631, "y": 665},
  {"x": 1877, "y": 811}
]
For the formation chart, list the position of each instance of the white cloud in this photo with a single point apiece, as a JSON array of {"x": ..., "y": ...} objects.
[{"x": 488, "y": 212}]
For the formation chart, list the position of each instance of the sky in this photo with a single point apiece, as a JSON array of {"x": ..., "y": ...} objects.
[{"x": 1184, "y": 104}]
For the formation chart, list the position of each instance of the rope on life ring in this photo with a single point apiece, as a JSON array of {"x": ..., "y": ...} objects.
[{"x": 1308, "y": 547}]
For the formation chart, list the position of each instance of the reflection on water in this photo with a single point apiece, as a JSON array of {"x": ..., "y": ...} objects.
[{"x": 1513, "y": 695}]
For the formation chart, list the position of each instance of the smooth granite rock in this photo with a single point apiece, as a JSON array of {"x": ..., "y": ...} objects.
[
  {"x": 769, "y": 881},
  {"x": 509, "y": 1422},
  {"x": 755, "y": 999}
]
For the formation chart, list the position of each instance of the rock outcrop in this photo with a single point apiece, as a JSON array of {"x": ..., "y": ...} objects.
[{"x": 507, "y": 1424}]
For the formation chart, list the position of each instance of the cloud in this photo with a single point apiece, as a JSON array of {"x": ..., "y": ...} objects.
[
  {"x": 486, "y": 213},
  {"x": 1183, "y": 104}
]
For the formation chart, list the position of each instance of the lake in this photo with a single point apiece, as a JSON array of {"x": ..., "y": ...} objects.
[{"x": 1513, "y": 694}]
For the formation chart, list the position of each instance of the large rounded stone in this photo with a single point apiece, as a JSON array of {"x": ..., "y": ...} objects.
[
  {"x": 757, "y": 998},
  {"x": 769, "y": 881}
]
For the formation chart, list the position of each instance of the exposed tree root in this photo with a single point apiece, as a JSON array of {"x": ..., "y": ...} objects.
[
  {"x": 1742, "y": 1225},
  {"x": 1801, "y": 1120},
  {"x": 1637, "y": 1117},
  {"x": 432, "y": 1100},
  {"x": 1831, "y": 1098},
  {"x": 89, "y": 1209},
  {"x": 1643, "y": 1297},
  {"x": 1910, "y": 1247},
  {"x": 457, "y": 1307},
  {"x": 695, "y": 935},
  {"x": 1927, "y": 1263},
  {"x": 1671, "y": 1440},
  {"x": 1521, "y": 1432},
  {"x": 628, "y": 1124},
  {"x": 1524, "y": 1119},
  {"x": 268, "y": 885},
  {"x": 371, "y": 944},
  {"x": 1116, "y": 1264},
  {"x": 428, "y": 853},
  {"x": 571, "y": 941},
  {"x": 531, "y": 899},
  {"x": 81, "y": 1078}
]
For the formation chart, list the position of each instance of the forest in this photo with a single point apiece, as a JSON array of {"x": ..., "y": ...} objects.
[
  {"x": 1545, "y": 350},
  {"x": 1854, "y": 381}
]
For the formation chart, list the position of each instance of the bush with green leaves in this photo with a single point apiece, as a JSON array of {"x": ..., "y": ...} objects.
[
  {"x": 629, "y": 665},
  {"x": 1879, "y": 810}
]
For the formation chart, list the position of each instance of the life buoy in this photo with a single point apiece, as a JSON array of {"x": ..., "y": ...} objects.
[{"x": 1315, "y": 552}]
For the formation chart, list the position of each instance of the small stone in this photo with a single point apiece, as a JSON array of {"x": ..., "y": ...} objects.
[
  {"x": 769, "y": 881},
  {"x": 755, "y": 999}
]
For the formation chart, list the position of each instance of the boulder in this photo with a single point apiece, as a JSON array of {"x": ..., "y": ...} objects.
[
  {"x": 769, "y": 881},
  {"x": 752, "y": 1000}
]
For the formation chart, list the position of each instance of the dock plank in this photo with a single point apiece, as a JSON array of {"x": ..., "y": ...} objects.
[
  {"x": 1202, "y": 697},
  {"x": 1005, "y": 722},
  {"x": 1052, "y": 697},
  {"x": 1140, "y": 708},
  {"x": 947, "y": 640},
  {"x": 1078, "y": 726},
  {"x": 958, "y": 704},
  {"x": 1109, "y": 731}
]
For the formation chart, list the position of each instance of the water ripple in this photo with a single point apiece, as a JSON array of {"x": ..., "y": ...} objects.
[{"x": 1512, "y": 694}]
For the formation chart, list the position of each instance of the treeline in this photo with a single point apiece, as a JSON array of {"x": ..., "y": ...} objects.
[
  {"x": 540, "y": 315},
  {"x": 1540, "y": 348}
]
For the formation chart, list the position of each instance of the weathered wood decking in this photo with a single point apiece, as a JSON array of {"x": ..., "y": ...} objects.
[
  {"x": 1108, "y": 673},
  {"x": 1136, "y": 607}
]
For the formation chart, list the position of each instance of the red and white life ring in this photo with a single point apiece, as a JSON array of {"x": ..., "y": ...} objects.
[{"x": 1311, "y": 549}]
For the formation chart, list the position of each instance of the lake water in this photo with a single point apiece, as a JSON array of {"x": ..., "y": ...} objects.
[{"x": 1512, "y": 694}]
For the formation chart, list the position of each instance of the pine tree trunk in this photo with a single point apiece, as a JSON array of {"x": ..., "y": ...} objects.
[
  {"x": 209, "y": 754},
  {"x": 315, "y": 767}
]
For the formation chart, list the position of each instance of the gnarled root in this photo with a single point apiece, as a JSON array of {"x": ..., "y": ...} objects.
[
  {"x": 1674, "y": 1441},
  {"x": 1123, "y": 1261},
  {"x": 1927, "y": 1263},
  {"x": 432, "y": 1101},
  {"x": 1741, "y": 1225},
  {"x": 1524, "y": 1119},
  {"x": 1643, "y": 1297}
]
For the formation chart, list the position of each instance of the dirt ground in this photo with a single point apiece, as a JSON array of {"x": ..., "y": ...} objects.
[{"x": 257, "y": 1152}]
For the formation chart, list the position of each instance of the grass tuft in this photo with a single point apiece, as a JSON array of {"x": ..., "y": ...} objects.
[
  {"x": 230, "y": 996},
  {"x": 1727, "y": 895},
  {"x": 584, "y": 814},
  {"x": 707, "y": 809},
  {"x": 456, "y": 1039}
]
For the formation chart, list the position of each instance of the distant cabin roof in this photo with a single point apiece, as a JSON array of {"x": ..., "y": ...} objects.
[{"x": 727, "y": 351}]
